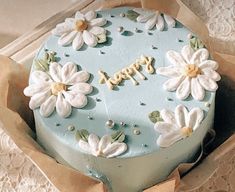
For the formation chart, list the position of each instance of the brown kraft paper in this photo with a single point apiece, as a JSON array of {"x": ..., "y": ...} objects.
[{"x": 16, "y": 117}]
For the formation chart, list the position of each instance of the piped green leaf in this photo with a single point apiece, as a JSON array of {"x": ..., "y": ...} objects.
[
  {"x": 155, "y": 116},
  {"x": 101, "y": 38},
  {"x": 118, "y": 136},
  {"x": 82, "y": 134},
  {"x": 41, "y": 64},
  {"x": 132, "y": 15},
  {"x": 196, "y": 43}
]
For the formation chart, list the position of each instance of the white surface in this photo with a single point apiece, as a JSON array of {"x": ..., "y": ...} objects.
[
  {"x": 20, "y": 16},
  {"x": 17, "y": 173}
]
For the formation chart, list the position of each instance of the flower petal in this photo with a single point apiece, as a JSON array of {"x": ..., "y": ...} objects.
[
  {"x": 90, "y": 15},
  {"x": 175, "y": 58},
  {"x": 143, "y": 18},
  {"x": 194, "y": 118},
  {"x": 104, "y": 142},
  {"x": 78, "y": 41},
  {"x": 160, "y": 23},
  {"x": 207, "y": 83},
  {"x": 83, "y": 88},
  {"x": 151, "y": 22},
  {"x": 70, "y": 22},
  {"x": 187, "y": 53},
  {"x": 181, "y": 114},
  {"x": 183, "y": 90},
  {"x": 98, "y": 22},
  {"x": 166, "y": 140},
  {"x": 173, "y": 83},
  {"x": 199, "y": 56},
  {"x": 55, "y": 71},
  {"x": 40, "y": 77},
  {"x": 48, "y": 106},
  {"x": 169, "y": 20},
  {"x": 170, "y": 71},
  {"x": 167, "y": 116},
  {"x": 197, "y": 91},
  {"x": 79, "y": 15},
  {"x": 115, "y": 149},
  {"x": 78, "y": 77},
  {"x": 63, "y": 108},
  {"x": 209, "y": 64},
  {"x": 211, "y": 74},
  {"x": 84, "y": 146},
  {"x": 61, "y": 29},
  {"x": 89, "y": 38},
  {"x": 39, "y": 98},
  {"x": 67, "y": 71},
  {"x": 77, "y": 100},
  {"x": 97, "y": 30},
  {"x": 93, "y": 141},
  {"x": 67, "y": 38},
  {"x": 36, "y": 88},
  {"x": 163, "y": 127}
]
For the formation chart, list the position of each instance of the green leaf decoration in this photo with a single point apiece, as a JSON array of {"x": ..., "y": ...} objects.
[
  {"x": 155, "y": 116},
  {"x": 118, "y": 136},
  {"x": 132, "y": 15},
  {"x": 101, "y": 38},
  {"x": 196, "y": 43},
  {"x": 82, "y": 134},
  {"x": 41, "y": 64}
]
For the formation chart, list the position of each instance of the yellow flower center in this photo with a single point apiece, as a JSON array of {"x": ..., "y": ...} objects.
[
  {"x": 186, "y": 131},
  {"x": 191, "y": 70},
  {"x": 57, "y": 87},
  {"x": 81, "y": 25},
  {"x": 99, "y": 153}
]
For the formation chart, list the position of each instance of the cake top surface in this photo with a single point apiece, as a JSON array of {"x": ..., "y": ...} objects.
[{"x": 130, "y": 106}]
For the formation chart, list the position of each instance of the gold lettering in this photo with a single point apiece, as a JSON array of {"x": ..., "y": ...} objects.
[
  {"x": 136, "y": 68},
  {"x": 128, "y": 73},
  {"x": 105, "y": 79}
]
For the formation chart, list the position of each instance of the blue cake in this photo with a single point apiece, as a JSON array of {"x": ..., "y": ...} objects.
[{"x": 124, "y": 95}]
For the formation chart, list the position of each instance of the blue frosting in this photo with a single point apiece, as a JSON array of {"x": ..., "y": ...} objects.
[{"x": 123, "y": 103}]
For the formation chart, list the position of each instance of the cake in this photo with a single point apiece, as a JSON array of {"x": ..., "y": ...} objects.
[{"x": 123, "y": 95}]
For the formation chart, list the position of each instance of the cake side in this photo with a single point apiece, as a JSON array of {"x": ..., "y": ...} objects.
[{"x": 125, "y": 174}]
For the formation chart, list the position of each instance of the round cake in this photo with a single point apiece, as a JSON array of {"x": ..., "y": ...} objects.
[{"x": 124, "y": 95}]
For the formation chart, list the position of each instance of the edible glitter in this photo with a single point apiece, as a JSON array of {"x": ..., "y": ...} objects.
[
  {"x": 98, "y": 100},
  {"x": 136, "y": 131},
  {"x": 90, "y": 117},
  {"x": 110, "y": 124},
  {"x": 207, "y": 104},
  {"x": 71, "y": 127},
  {"x": 122, "y": 15}
]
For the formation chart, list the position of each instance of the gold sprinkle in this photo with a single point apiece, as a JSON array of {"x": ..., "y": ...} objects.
[
  {"x": 136, "y": 131},
  {"x": 207, "y": 104}
]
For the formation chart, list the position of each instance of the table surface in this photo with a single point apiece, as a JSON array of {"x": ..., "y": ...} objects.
[{"x": 17, "y": 172}]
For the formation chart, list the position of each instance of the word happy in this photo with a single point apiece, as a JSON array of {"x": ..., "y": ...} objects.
[{"x": 128, "y": 73}]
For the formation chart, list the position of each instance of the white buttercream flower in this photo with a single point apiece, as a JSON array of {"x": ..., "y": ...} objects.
[
  {"x": 60, "y": 88},
  {"x": 102, "y": 147},
  {"x": 191, "y": 72},
  {"x": 79, "y": 30},
  {"x": 178, "y": 125},
  {"x": 152, "y": 19}
]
